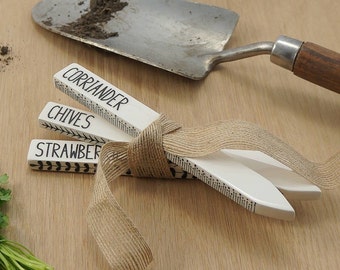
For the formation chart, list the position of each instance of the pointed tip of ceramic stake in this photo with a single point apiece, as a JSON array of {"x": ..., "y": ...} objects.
[{"x": 275, "y": 211}]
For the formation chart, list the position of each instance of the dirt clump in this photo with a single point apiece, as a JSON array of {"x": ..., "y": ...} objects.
[
  {"x": 90, "y": 24},
  {"x": 5, "y": 56}
]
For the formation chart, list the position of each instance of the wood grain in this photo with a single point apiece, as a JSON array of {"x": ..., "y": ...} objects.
[{"x": 187, "y": 224}]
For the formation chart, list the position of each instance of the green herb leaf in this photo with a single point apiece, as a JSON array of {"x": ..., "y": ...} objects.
[
  {"x": 5, "y": 195},
  {"x": 3, "y": 220},
  {"x": 15, "y": 256},
  {"x": 4, "y": 179}
]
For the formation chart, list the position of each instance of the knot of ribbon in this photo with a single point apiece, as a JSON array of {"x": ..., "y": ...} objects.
[{"x": 117, "y": 237}]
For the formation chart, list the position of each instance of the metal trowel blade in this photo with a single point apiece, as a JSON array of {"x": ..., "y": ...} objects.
[{"x": 173, "y": 35}]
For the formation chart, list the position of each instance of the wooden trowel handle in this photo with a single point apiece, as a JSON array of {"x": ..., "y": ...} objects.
[
  {"x": 309, "y": 61},
  {"x": 318, "y": 65}
]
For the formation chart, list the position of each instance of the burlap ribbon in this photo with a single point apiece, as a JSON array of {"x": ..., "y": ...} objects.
[{"x": 116, "y": 235}]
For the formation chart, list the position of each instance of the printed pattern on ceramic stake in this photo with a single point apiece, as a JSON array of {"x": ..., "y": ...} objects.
[
  {"x": 79, "y": 124},
  {"x": 63, "y": 156},
  {"x": 103, "y": 98},
  {"x": 248, "y": 189}
]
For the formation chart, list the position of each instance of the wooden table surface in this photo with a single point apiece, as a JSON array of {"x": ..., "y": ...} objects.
[{"x": 187, "y": 224}]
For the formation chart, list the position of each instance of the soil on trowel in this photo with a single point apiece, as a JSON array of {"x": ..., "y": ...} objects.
[
  {"x": 5, "y": 56},
  {"x": 90, "y": 24}
]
